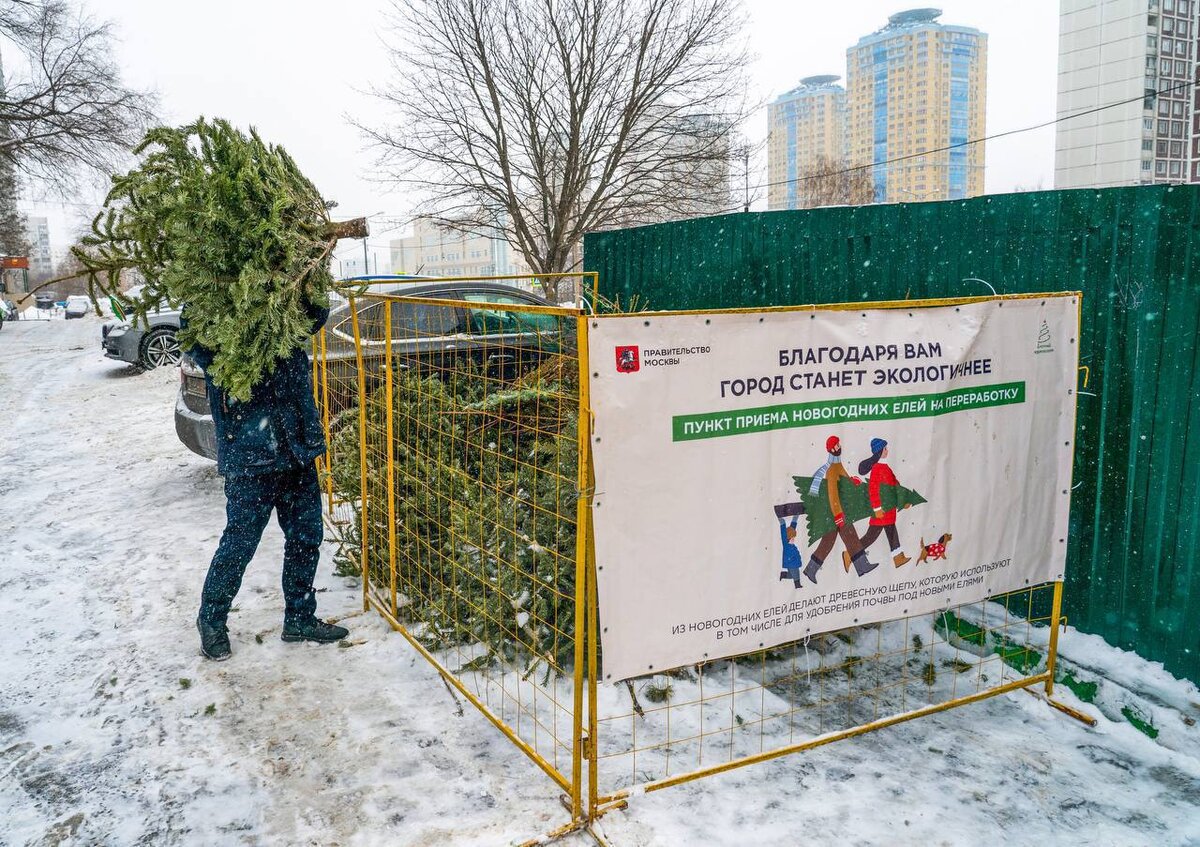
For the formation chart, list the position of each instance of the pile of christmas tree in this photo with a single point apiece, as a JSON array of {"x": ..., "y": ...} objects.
[
  {"x": 226, "y": 225},
  {"x": 485, "y": 498}
]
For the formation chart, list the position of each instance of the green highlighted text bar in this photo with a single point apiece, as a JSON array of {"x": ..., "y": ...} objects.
[{"x": 793, "y": 415}]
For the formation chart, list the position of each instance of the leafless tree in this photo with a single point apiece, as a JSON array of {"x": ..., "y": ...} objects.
[
  {"x": 546, "y": 119},
  {"x": 832, "y": 182},
  {"x": 64, "y": 108}
]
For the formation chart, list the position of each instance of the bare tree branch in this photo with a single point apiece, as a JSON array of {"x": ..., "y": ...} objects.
[
  {"x": 546, "y": 119},
  {"x": 829, "y": 182},
  {"x": 65, "y": 110}
]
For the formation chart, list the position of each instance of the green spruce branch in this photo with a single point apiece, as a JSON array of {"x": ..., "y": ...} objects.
[{"x": 226, "y": 224}]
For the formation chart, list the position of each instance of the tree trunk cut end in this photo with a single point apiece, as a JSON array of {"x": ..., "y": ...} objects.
[{"x": 353, "y": 228}]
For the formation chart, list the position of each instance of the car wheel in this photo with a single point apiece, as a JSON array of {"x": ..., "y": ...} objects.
[{"x": 159, "y": 347}]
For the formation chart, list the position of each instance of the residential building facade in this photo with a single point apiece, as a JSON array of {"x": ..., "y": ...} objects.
[
  {"x": 916, "y": 93},
  {"x": 804, "y": 126},
  {"x": 1128, "y": 106},
  {"x": 41, "y": 259},
  {"x": 434, "y": 250},
  {"x": 700, "y": 169}
]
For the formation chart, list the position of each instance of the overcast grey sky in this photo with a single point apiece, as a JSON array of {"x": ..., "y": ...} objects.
[{"x": 296, "y": 69}]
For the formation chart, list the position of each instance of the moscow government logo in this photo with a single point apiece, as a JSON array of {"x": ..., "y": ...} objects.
[{"x": 628, "y": 360}]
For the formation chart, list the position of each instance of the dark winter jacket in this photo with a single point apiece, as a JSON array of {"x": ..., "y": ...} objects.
[{"x": 278, "y": 428}]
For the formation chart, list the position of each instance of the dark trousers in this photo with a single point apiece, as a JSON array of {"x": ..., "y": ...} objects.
[
  {"x": 849, "y": 537},
  {"x": 873, "y": 531},
  {"x": 295, "y": 496}
]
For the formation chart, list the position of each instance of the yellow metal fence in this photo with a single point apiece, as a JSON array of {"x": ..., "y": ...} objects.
[
  {"x": 461, "y": 466},
  {"x": 458, "y": 481}
]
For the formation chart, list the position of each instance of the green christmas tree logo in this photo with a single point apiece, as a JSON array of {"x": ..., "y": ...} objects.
[{"x": 1043, "y": 341}]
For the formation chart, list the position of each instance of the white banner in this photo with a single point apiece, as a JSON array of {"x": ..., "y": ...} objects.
[{"x": 948, "y": 431}]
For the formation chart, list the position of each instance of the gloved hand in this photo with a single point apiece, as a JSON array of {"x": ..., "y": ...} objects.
[{"x": 840, "y": 519}]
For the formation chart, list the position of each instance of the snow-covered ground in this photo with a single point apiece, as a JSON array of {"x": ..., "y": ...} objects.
[{"x": 114, "y": 731}]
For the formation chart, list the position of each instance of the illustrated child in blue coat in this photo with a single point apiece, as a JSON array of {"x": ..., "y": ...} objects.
[{"x": 792, "y": 561}]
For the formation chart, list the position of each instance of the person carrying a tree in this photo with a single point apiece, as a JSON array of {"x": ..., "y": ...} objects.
[
  {"x": 881, "y": 521},
  {"x": 266, "y": 448},
  {"x": 831, "y": 472},
  {"x": 224, "y": 223}
]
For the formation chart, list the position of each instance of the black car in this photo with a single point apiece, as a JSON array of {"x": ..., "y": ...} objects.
[{"x": 504, "y": 344}]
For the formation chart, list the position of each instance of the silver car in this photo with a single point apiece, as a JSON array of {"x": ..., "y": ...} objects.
[
  {"x": 146, "y": 347},
  {"x": 77, "y": 306}
]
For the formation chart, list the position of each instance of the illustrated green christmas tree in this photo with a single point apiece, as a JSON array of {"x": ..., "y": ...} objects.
[{"x": 855, "y": 499}]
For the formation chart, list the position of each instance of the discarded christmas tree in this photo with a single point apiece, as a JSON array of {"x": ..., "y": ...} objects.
[
  {"x": 856, "y": 503},
  {"x": 225, "y": 224},
  {"x": 483, "y": 486}
]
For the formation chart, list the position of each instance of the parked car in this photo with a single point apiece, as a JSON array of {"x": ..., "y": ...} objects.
[
  {"x": 147, "y": 347},
  {"x": 502, "y": 343},
  {"x": 45, "y": 300},
  {"x": 77, "y": 306}
]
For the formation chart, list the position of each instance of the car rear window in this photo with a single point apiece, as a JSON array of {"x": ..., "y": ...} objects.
[
  {"x": 409, "y": 321},
  {"x": 485, "y": 321}
]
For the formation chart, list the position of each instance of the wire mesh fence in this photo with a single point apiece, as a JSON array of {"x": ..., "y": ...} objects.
[
  {"x": 461, "y": 465},
  {"x": 458, "y": 477},
  {"x": 335, "y": 389},
  {"x": 696, "y": 719}
]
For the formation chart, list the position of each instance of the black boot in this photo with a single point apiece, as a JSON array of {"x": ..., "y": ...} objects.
[
  {"x": 214, "y": 640},
  {"x": 312, "y": 629},
  {"x": 810, "y": 571},
  {"x": 783, "y": 575},
  {"x": 862, "y": 564}
]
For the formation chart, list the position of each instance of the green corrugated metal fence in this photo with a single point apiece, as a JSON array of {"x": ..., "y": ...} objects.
[{"x": 1134, "y": 568}]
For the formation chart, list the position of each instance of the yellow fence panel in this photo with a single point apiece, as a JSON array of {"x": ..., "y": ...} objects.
[
  {"x": 466, "y": 492},
  {"x": 459, "y": 481},
  {"x": 673, "y": 727}
]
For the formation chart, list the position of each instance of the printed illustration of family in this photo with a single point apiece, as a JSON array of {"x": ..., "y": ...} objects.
[{"x": 832, "y": 500}]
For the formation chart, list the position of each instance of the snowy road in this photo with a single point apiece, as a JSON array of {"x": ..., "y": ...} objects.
[{"x": 114, "y": 731}]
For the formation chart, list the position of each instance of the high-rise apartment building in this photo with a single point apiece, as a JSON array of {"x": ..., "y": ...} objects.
[
  {"x": 914, "y": 87},
  {"x": 700, "y": 146},
  {"x": 1126, "y": 71},
  {"x": 41, "y": 259},
  {"x": 805, "y": 126}
]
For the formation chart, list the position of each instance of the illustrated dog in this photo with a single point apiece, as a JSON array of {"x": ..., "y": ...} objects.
[{"x": 936, "y": 550}]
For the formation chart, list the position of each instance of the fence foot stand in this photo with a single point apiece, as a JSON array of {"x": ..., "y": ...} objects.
[
  {"x": 347, "y": 616},
  {"x": 557, "y": 834},
  {"x": 591, "y": 830},
  {"x": 1062, "y": 707}
]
